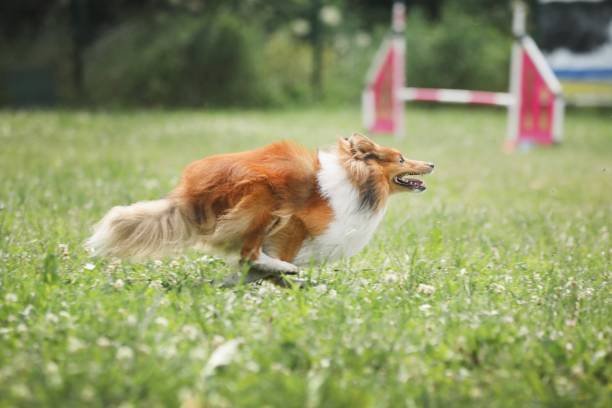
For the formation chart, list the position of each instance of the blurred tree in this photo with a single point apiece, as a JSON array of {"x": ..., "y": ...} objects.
[
  {"x": 20, "y": 16},
  {"x": 316, "y": 38}
]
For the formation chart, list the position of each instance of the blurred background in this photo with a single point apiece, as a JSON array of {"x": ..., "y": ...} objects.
[{"x": 279, "y": 53}]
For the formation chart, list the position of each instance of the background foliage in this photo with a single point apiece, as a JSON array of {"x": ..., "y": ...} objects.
[{"x": 239, "y": 53}]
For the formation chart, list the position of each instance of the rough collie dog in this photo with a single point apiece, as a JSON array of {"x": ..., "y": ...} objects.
[{"x": 276, "y": 207}]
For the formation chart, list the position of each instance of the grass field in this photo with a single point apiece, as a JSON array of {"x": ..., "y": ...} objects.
[{"x": 490, "y": 289}]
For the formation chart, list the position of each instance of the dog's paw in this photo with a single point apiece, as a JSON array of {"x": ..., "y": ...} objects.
[
  {"x": 267, "y": 263},
  {"x": 286, "y": 282}
]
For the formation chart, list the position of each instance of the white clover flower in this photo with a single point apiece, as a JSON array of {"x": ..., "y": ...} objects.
[
  {"x": 51, "y": 318},
  {"x": 491, "y": 312},
  {"x": 131, "y": 320},
  {"x": 578, "y": 370},
  {"x": 586, "y": 293},
  {"x": 51, "y": 368},
  {"x": 118, "y": 284},
  {"x": 426, "y": 289},
  {"x": 10, "y": 298},
  {"x": 207, "y": 259},
  {"x": 392, "y": 277},
  {"x": 167, "y": 351},
  {"x": 27, "y": 310},
  {"x": 498, "y": 288},
  {"x": 114, "y": 264},
  {"x": 103, "y": 342},
  {"x": 65, "y": 314},
  {"x": 252, "y": 366},
  {"x": 88, "y": 393},
  {"x": 75, "y": 344},
  {"x": 55, "y": 379},
  {"x": 89, "y": 266},
  {"x": 598, "y": 355},
  {"x": 161, "y": 321},
  {"x": 158, "y": 263},
  {"x": 325, "y": 362},
  {"x": 217, "y": 340},
  {"x": 63, "y": 249},
  {"x": 190, "y": 331},
  {"x": 22, "y": 328},
  {"x": 322, "y": 288},
  {"x": 124, "y": 353},
  {"x": 156, "y": 284},
  {"x": 21, "y": 391},
  {"x": 425, "y": 307}
]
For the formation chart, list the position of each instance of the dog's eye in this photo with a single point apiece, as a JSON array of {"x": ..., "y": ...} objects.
[{"x": 402, "y": 160}]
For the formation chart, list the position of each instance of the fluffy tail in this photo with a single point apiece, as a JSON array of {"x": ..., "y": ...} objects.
[{"x": 143, "y": 229}]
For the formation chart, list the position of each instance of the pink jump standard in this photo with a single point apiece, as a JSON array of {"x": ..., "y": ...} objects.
[{"x": 535, "y": 101}]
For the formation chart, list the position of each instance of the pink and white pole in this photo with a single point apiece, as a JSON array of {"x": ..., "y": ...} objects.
[
  {"x": 536, "y": 116},
  {"x": 382, "y": 98},
  {"x": 535, "y": 102}
]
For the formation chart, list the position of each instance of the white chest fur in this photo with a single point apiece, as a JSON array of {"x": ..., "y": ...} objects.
[{"x": 351, "y": 228}]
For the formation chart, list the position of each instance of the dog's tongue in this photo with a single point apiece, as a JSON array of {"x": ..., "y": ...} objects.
[{"x": 414, "y": 184}]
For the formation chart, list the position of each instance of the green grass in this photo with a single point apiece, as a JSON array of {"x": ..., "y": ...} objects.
[{"x": 516, "y": 248}]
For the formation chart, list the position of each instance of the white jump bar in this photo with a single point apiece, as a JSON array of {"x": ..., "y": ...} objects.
[{"x": 457, "y": 96}]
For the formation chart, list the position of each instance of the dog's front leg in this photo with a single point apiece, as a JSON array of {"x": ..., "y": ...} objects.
[
  {"x": 271, "y": 269},
  {"x": 260, "y": 265},
  {"x": 265, "y": 267},
  {"x": 265, "y": 263},
  {"x": 253, "y": 254},
  {"x": 251, "y": 221}
]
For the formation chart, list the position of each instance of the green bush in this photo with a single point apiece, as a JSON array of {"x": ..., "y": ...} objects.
[
  {"x": 461, "y": 51},
  {"x": 176, "y": 60},
  {"x": 285, "y": 65},
  {"x": 220, "y": 60}
]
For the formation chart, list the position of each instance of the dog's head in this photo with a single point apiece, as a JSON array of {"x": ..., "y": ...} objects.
[{"x": 372, "y": 163}]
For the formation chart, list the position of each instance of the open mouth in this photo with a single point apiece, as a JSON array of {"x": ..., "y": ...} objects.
[{"x": 408, "y": 182}]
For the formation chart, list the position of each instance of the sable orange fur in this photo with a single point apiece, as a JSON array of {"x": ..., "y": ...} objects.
[
  {"x": 265, "y": 199},
  {"x": 239, "y": 199}
]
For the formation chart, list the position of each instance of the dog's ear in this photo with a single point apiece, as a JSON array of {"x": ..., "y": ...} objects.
[{"x": 361, "y": 146}]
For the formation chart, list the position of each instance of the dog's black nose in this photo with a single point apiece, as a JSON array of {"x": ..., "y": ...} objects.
[{"x": 431, "y": 165}]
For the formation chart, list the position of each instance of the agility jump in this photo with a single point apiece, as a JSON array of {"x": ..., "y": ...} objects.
[{"x": 535, "y": 102}]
